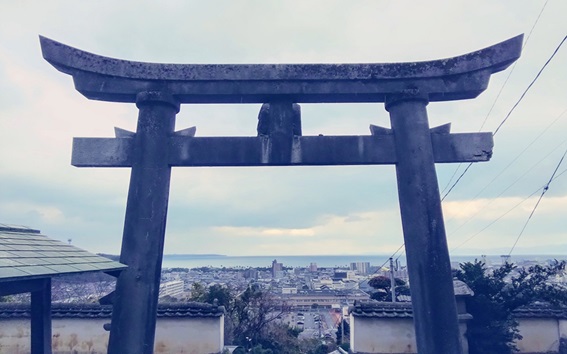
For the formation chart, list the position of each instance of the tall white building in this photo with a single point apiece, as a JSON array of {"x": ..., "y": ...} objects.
[
  {"x": 172, "y": 288},
  {"x": 363, "y": 268}
]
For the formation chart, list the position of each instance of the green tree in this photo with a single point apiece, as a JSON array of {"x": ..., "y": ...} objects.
[
  {"x": 250, "y": 319},
  {"x": 383, "y": 286},
  {"x": 198, "y": 292},
  {"x": 251, "y": 313},
  {"x": 497, "y": 294},
  {"x": 218, "y": 294}
]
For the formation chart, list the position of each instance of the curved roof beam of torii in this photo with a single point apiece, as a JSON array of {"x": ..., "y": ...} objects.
[{"x": 108, "y": 79}]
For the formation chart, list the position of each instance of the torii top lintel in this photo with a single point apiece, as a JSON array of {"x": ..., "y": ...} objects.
[{"x": 109, "y": 79}]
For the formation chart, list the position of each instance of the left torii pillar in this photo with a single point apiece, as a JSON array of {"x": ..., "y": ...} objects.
[{"x": 134, "y": 322}]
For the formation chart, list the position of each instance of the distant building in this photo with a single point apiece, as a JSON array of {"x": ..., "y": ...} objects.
[
  {"x": 251, "y": 273},
  {"x": 306, "y": 299},
  {"x": 289, "y": 290},
  {"x": 313, "y": 267},
  {"x": 363, "y": 268},
  {"x": 277, "y": 269},
  {"x": 173, "y": 288}
]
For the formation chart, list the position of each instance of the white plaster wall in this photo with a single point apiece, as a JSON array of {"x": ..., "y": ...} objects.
[
  {"x": 563, "y": 328},
  {"x": 197, "y": 336},
  {"x": 382, "y": 335},
  {"x": 81, "y": 335},
  {"x": 540, "y": 335},
  {"x": 177, "y": 335},
  {"x": 14, "y": 336},
  {"x": 385, "y": 336}
]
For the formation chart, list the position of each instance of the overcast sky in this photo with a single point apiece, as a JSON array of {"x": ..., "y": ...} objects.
[{"x": 284, "y": 210}]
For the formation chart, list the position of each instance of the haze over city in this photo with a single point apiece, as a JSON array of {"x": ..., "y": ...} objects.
[{"x": 286, "y": 210}]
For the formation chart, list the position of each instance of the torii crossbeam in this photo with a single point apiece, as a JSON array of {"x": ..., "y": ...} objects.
[{"x": 405, "y": 88}]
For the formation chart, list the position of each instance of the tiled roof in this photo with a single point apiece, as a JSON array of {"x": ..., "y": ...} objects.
[
  {"x": 84, "y": 311},
  {"x": 25, "y": 254},
  {"x": 379, "y": 309},
  {"x": 382, "y": 309},
  {"x": 541, "y": 311}
]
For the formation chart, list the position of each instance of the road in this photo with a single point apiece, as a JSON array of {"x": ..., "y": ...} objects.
[{"x": 316, "y": 323}]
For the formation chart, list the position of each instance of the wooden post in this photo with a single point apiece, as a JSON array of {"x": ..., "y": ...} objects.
[
  {"x": 137, "y": 289},
  {"x": 41, "y": 319},
  {"x": 431, "y": 284}
]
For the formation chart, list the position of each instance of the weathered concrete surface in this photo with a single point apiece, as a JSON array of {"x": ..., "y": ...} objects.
[
  {"x": 110, "y": 79},
  {"x": 137, "y": 287},
  {"x": 306, "y": 150},
  {"x": 429, "y": 267}
]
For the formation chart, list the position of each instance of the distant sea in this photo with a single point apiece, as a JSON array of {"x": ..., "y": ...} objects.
[{"x": 219, "y": 261}]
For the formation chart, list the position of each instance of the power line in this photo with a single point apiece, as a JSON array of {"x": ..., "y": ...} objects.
[
  {"x": 451, "y": 179},
  {"x": 516, "y": 158},
  {"x": 529, "y": 86},
  {"x": 511, "y": 110},
  {"x": 534, "y": 25},
  {"x": 457, "y": 181},
  {"x": 383, "y": 264},
  {"x": 509, "y": 186},
  {"x": 506, "y": 213},
  {"x": 545, "y": 189},
  {"x": 501, "y": 89}
]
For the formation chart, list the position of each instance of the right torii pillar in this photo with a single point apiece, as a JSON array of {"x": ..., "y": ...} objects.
[{"x": 429, "y": 266}]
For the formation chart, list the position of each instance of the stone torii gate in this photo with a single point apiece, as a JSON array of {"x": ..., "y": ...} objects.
[{"x": 159, "y": 89}]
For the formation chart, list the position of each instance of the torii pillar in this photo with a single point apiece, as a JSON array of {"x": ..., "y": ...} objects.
[
  {"x": 429, "y": 265},
  {"x": 405, "y": 88}
]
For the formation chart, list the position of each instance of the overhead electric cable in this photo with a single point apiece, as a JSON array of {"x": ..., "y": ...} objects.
[
  {"x": 534, "y": 25},
  {"x": 507, "y": 188},
  {"x": 457, "y": 181},
  {"x": 513, "y": 65},
  {"x": 383, "y": 264},
  {"x": 511, "y": 110},
  {"x": 393, "y": 255},
  {"x": 494, "y": 221},
  {"x": 545, "y": 189},
  {"x": 529, "y": 86},
  {"x": 451, "y": 179},
  {"x": 516, "y": 158},
  {"x": 506, "y": 213},
  {"x": 501, "y": 89}
]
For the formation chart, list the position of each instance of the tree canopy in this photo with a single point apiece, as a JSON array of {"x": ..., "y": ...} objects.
[
  {"x": 251, "y": 320},
  {"x": 497, "y": 293},
  {"x": 383, "y": 286}
]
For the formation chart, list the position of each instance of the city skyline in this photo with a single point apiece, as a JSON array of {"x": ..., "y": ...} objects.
[{"x": 285, "y": 210}]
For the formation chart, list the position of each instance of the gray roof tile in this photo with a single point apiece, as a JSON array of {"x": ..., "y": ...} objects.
[
  {"x": 25, "y": 253},
  {"x": 58, "y": 310}
]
